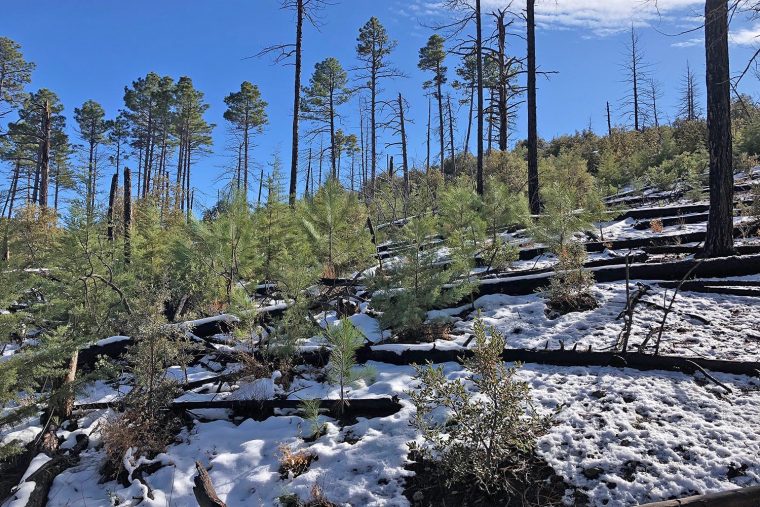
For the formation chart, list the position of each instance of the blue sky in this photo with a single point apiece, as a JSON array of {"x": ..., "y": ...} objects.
[{"x": 91, "y": 49}]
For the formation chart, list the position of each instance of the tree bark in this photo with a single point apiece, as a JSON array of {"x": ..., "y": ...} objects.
[
  {"x": 427, "y": 160},
  {"x": 373, "y": 127},
  {"x": 533, "y": 195},
  {"x": 451, "y": 139},
  {"x": 127, "y": 215},
  {"x": 111, "y": 201},
  {"x": 333, "y": 154},
  {"x": 440, "y": 117},
  {"x": 245, "y": 156},
  {"x": 405, "y": 160},
  {"x": 204, "y": 491},
  {"x": 609, "y": 120},
  {"x": 479, "y": 54},
  {"x": 296, "y": 105},
  {"x": 635, "y": 79},
  {"x": 720, "y": 240},
  {"x": 45, "y": 157},
  {"x": 503, "y": 88},
  {"x": 12, "y": 198}
]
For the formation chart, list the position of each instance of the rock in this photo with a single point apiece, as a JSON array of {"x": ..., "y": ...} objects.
[{"x": 593, "y": 473}]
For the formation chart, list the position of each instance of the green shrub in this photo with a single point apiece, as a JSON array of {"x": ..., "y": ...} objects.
[
  {"x": 490, "y": 426},
  {"x": 417, "y": 282}
]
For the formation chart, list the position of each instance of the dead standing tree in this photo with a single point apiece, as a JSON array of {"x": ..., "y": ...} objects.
[
  {"x": 470, "y": 13},
  {"x": 636, "y": 74},
  {"x": 396, "y": 123},
  {"x": 534, "y": 199},
  {"x": 505, "y": 70},
  {"x": 306, "y": 10},
  {"x": 720, "y": 240},
  {"x": 688, "y": 105},
  {"x": 373, "y": 48}
]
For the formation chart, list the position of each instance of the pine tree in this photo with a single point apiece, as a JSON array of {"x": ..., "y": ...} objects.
[
  {"x": 15, "y": 73},
  {"x": 142, "y": 112},
  {"x": 118, "y": 133},
  {"x": 534, "y": 197},
  {"x": 467, "y": 72},
  {"x": 327, "y": 91},
  {"x": 42, "y": 125},
  {"x": 462, "y": 223},
  {"x": 194, "y": 137},
  {"x": 344, "y": 340},
  {"x": 373, "y": 48},
  {"x": 432, "y": 57},
  {"x": 689, "y": 108},
  {"x": 306, "y": 11},
  {"x": 502, "y": 208},
  {"x": 416, "y": 284},
  {"x": 334, "y": 222},
  {"x": 246, "y": 112},
  {"x": 90, "y": 118}
]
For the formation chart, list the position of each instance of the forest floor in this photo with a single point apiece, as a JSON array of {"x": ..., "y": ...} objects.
[{"x": 622, "y": 436}]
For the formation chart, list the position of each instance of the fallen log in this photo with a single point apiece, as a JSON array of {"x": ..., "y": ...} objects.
[
  {"x": 674, "y": 270},
  {"x": 563, "y": 357},
  {"x": 742, "y": 497},
  {"x": 694, "y": 218},
  {"x": 692, "y": 249},
  {"x": 44, "y": 476},
  {"x": 262, "y": 409},
  {"x": 204, "y": 491},
  {"x": 109, "y": 348},
  {"x": 748, "y": 288},
  {"x": 660, "y": 211},
  {"x": 205, "y": 328},
  {"x": 612, "y": 261}
]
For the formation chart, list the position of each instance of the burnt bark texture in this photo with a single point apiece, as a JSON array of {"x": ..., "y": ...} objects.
[{"x": 720, "y": 239}]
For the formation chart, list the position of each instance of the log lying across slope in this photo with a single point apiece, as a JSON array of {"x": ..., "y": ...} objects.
[
  {"x": 255, "y": 409},
  {"x": 742, "y": 497},
  {"x": 675, "y": 270},
  {"x": 565, "y": 357},
  {"x": 646, "y": 242}
]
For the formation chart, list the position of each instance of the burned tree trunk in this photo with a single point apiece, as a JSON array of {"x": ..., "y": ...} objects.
[
  {"x": 45, "y": 156},
  {"x": 609, "y": 120},
  {"x": 479, "y": 67},
  {"x": 405, "y": 160},
  {"x": 533, "y": 197},
  {"x": 451, "y": 138},
  {"x": 720, "y": 239},
  {"x": 111, "y": 201},
  {"x": 296, "y": 104},
  {"x": 127, "y": 215}
]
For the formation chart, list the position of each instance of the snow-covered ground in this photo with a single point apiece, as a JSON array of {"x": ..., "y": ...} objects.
[{"x": 621, "y": 436}]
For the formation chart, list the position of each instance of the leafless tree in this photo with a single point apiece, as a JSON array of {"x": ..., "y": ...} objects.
[
  {"x": 636, "y": 75},
  {"x": 689, "y": 108},
  {"x": 306, "y": 10}
]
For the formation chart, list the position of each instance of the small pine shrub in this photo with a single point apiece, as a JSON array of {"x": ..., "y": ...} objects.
[
  {"x": 570, "y": 288},
  {"x": 310, "y": 411},
  {"x": 344, "y": 340},
  {"x": 418, "y": 282},
  {"x": 489, "y": 426}
]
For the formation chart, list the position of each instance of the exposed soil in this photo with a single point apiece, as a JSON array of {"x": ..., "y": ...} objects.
[{"x": 540, "y": 486}]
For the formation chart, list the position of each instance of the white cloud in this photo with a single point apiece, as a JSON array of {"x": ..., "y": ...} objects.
[
  {"x": 600, "y": 17},
  {"x": 697, "y": 41},
  {"x": 749, "y": 36}
]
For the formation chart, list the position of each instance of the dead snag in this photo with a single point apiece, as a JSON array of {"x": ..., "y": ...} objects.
[{"x": 204, "y": 490}]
